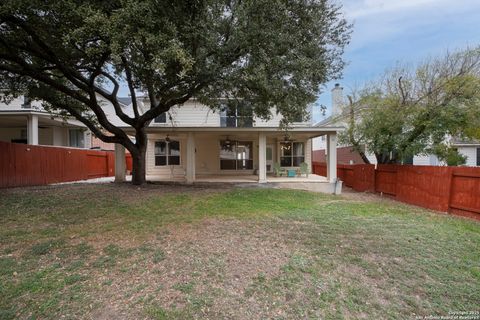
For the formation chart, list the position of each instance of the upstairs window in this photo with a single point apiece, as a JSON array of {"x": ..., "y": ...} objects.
[
  {"x": 478, "y": 156},
  {"x": 161, "y": 118},
  {"x": 239, "y": 116},
  {"x": 167, "y": 153},
  {"x": 292, "y": 154},
  {"x": 298, "y": 118}
]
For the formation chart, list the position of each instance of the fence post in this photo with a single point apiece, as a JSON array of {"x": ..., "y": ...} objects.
[{"x": 450, "y": 182}]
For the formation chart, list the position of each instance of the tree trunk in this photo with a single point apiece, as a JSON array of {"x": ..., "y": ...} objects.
[
  {"x": 138, "y": 167},
  {"x": 138, "y": 158}
]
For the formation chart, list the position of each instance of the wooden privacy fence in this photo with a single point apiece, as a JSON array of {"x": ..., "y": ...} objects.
[
  {"x": 448, "y": 189},
  {"x": 27, "y": 165}
]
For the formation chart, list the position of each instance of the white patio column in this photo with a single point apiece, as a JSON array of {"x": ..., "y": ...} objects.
[
  {"x": 32, "y": 129},
  {"x": 262, "y": 158},
  {"x": 332, "y": 157},
  {"x": 120, "y": 165},
  {"x": 190, "y": 174}
]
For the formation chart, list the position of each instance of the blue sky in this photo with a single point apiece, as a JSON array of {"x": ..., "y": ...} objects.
[{"x": 389, "y": 31}]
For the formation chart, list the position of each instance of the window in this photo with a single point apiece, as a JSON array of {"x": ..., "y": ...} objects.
[
  {"x": 167, "y": 153},
  {"x": 298, "y": 118},
  {"x": 478, "y": 156},
  {"x": 236, "y": 155},
  {"x": 161, "y": 118},
  {"x": 76, "y": 138},
  {"x": 240, "y": 116},
  {"x": 292, "y": 154},
  {"x": 27, "y": 103}
]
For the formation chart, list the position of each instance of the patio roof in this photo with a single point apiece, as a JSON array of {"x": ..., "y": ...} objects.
[{"x": 310, "y": 131}]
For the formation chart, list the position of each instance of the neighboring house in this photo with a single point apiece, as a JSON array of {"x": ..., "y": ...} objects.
[
  {"x": 191, "y": 141},
  {"x": 25, "y": 121},
  {"x": 346, "y": 155}
]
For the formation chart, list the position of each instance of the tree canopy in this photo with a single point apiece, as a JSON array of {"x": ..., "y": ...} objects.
[
  {"x": 264, "y": 53},
  {"x": 418, "y": 110}
]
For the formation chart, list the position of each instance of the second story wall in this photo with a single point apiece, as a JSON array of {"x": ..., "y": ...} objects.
[
  {"x": 20, "y": 103},
  {"x": 195, "y": 114},
  {"x": 191, "y": 114}
]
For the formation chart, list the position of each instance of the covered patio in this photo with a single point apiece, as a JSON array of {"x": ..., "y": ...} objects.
[
  {"x": 36, "y": 127},
  {"x": 236, "y": 155}
]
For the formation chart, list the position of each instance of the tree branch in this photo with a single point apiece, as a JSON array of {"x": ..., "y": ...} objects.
[{"x": 128, "y": 74}]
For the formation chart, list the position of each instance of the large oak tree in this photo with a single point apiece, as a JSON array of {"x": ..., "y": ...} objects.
[{"x": 264, "y": 53}]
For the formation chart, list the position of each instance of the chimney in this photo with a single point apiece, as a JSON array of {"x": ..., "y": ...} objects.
[{"x": 337, "y": 100}]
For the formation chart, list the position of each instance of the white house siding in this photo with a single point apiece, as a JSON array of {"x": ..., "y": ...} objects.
[
  {"x": 195, "y": 114},
  {"x": 426, "y": 160},
  {"x": 421, "y": 160},
  {"x": 471, "y": 153},
  {"x": 166, "y": 172},
  {"x": 274, "y": 121},
  {"x": 192, "y": 114},
  {"x": 16, "y": 104}
]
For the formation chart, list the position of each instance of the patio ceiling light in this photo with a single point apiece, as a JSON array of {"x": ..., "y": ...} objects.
[
  {"x": 227, "y": 144},
  {"x": 286, "y": 144}
]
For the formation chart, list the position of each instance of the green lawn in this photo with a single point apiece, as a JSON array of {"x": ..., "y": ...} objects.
[{"x": 177, "y": 252}]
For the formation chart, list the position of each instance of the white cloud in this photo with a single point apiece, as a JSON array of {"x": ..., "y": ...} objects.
[{"x": 359, "y": 9}]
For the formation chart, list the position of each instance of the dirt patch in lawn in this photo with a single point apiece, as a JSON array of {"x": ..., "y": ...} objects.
[{"x": 206, "y": 266}]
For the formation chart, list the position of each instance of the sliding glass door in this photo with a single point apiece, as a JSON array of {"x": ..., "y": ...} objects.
[{"x": 236, "y": 155}]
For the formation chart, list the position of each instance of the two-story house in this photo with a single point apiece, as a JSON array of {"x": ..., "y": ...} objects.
[{"x": 191, "y": 142}]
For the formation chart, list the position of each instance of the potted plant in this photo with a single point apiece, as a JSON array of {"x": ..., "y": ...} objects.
[
  {"x": 277, "y": 170},
  {"x": 304, "y": 168}
]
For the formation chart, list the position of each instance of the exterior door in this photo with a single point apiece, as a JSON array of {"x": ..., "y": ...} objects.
[{"x": 269, "y": 157}]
